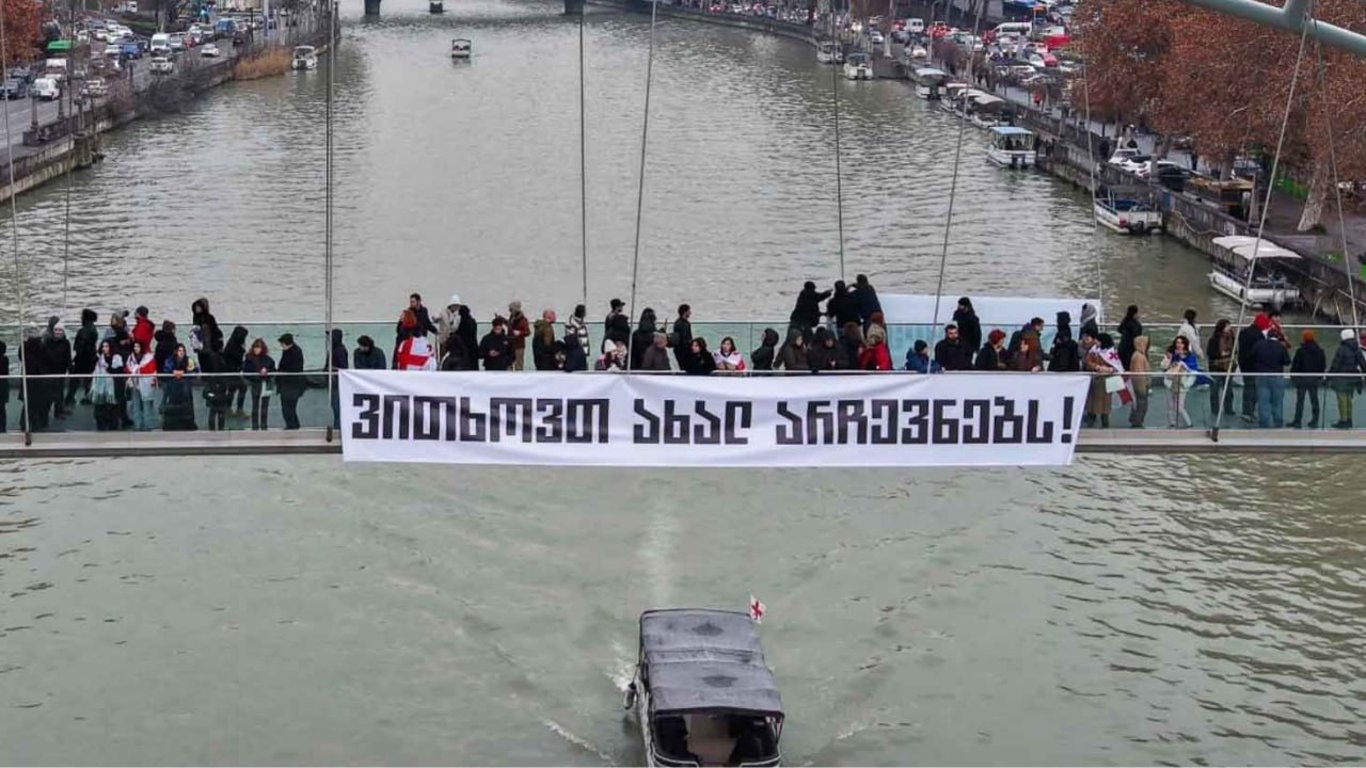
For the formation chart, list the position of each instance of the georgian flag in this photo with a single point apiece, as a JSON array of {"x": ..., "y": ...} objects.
[
  {"x": 756, "y": 610},
  {"x": 415, "y": 354}
]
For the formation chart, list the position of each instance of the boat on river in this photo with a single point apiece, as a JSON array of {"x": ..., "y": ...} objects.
[
  {"x": 435, "y": 6},
  {"x": 979, "y": 107},
  {"x": 1258, "y": 275},
  {"x": 460, "y": 48},
  {"x": 828, "y": 52},
  {"x": 858, "y": 67},
  {"x": 305, "y": 57},
  {"x": 929, "y": 82},
  {"x": 1011, "y": 146},
  {"x": 702, "y": 693},
  {"x": 1128, "y": 210}
]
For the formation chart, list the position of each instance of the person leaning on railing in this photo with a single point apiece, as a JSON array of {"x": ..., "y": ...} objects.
[
  {"x": 1219, "y": 353},
  {"x": 1305, "y": 373},
  {"x": 1349, "y": 373}
]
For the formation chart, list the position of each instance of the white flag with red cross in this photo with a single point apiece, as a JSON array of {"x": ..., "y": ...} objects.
[{"x": 756, "y": 609}]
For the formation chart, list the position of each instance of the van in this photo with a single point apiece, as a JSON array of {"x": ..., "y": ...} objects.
[
  {"x": 915, "y": 26},
  {"x": 47, "y": 89},
  {"x": 1021, "y": 28},
  {"x": 161, "y": 43}
]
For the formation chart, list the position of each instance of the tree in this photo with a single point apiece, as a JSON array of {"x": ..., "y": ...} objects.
[{"x": 23, "y": 29}]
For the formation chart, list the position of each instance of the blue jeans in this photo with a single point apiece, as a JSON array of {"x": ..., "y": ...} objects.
[
  {"x": 1270, "y": 402},
  {"x": 144, "y": 411}
]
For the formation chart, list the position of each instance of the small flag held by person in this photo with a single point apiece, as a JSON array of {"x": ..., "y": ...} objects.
[{"x": 756, "y": 610}]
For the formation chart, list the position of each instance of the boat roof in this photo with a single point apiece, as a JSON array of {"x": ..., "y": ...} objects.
[
  {"x": 706, "y": 660},
  {"x": 1010, "y": 130},
  {"x": 928, "y": 71},
  {"x": 1245, "y": 246}
]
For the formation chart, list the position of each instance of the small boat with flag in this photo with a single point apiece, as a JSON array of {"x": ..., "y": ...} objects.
[
  {"x": 460, "y": 48},
  {"x": 702, "y": 692}
]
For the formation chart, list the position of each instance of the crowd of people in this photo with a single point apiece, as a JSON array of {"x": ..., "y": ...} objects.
[{"x": 120, "y": 369}]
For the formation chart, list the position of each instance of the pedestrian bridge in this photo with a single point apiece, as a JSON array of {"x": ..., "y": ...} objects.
[{"x": 1163, "y": 429}]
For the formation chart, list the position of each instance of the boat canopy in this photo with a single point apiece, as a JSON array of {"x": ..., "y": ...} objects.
[
  {"x": 924, "y": 72},
  {"x": 982, "y": 99},
  {"x": 303, "y": 50},
  {"x": 1006, "y": 131},
  {"x": 1244, "y": 246},
  {"x": 856, "y": 58},
  {"x": 706, "y": 661}
]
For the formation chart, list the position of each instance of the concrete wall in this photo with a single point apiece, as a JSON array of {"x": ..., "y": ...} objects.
[{"x": 787, "y": 29}]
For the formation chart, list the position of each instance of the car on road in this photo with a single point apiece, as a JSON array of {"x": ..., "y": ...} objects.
[
  {"x": 209, "y": 51},
  {"x": 47, "y": 89},
  {"x": 876, "y": 37},
  {"x": 16, "y": 88},
  {"x": 161, "y": 66},
  {"x": 21, "y": 73},
  {"x": 177, "y": 42},
  {"x": 161, "y": 44}
]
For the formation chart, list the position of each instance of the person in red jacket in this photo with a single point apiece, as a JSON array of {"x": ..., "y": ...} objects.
[
  {"x": 143, "y": 329},
  {"x": 875, "y": 356}
]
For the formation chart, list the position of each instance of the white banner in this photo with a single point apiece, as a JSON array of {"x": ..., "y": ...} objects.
[{"x": 825, "y": 420}]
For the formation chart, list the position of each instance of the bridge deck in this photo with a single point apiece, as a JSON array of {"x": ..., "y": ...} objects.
[{"x": 314, "y": 441}]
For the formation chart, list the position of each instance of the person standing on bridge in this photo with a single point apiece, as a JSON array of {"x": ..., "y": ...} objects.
[
  {"x": 806, "y": 315},
  {"x": 494, "y": 349},
  {"x": 468, "y": 331},
  {"x": 617, "y": 326},
  {"x": 543, "y": 342},
  {"x": 519, "y": 328},
  {"x": 682, "y": 335},
  {"x": 83, "y": 364},
  {"x": 336, "y": 361},
  {"x": 969, "y": 325},
  {"x": 259, "y": 369},
  {"x": 448, "y": 322},
  {"x": 423, "y": 319},
  {"x": 865, "y": 297},
  {"x": 234, "y": 352},
  {"x": 577, "y": 326},
  {"x": 1306, "y": 373},
  {"x": 292, "y": 384},
  {"x": 1349, "y": 369}
]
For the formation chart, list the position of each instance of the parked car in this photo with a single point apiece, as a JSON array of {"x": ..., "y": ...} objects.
[
  {"x": 21, "y": 73},
  {"x": 209, "y": 51},
  {"x": 47, "y": 89},
  {"x": 161, "y": 44},
  {"x": 16, "y": 88},
  {"x": 177, "y": 42},
  {"x": 161, "y": 66},
  {"x": 1131, "y": 160}
]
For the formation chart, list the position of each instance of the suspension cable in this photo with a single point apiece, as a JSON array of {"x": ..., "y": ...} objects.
[
  {"x": 839, "y": 175},
  {"x": 583, "y": 160},
  {"x": 14, "y": 229},
  {"x": 1261, "y": 224},
  {"x": 332, "y": 383},
  {"x": 1337, "y": 191},
  {"x": 70, "y": 166},
  {"x": 640, "y": 192},
  {"x": 957, "y": 162},
  {"x": 1091, "y": 163}
]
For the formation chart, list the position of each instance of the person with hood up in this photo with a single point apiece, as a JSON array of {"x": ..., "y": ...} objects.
[
  {"x": 234, "y": 352},
  {"x": 806, "y": 315},
  {"x": 1306, "y": 373},
  {"x": 415, "y": 353},
  {"x": 1247, "y": 341},
  {"x": 543, "y": 342},
  {"x": 575, "y": 358},
  {"x": 951, "y": 353},
  {"x": 457, "y": 357},
  {"x": 993, "y": 356},
  {"x": 643, "y": 338},
  {"x": 1349, "y": 373},
  {"x": 519, "y": 328},
  {"x": 336, "y": 361},
  {"x": 1130, "y": 328},
  {"x": 794, "y": 353},
  {"x": 655, "y": 357},
  {"x": 216, "y": 394},
  {"x": 842, "y": 308},
  {"x": 1028, "y": 354},
  {"x": 258, "y": 368},
  {"x": 177, "y": 402},
  {"x": 728, "y": 358},
  {"x": 875, "y": 356},
  {"x": 1182, "y": 368},
  {"x": 4, "y": 386},
  {"x": 617, "y": 326},
  {"x": 1140, "y": 381},
  {"x": 291, "y": 385},
  {"x": 57, "y": 354},
  {"x": 166, "y": 342},
  {"x": 142, "y": 387},
  {"x": 143, "y": 329},
  {"x": 495, "y": 349},
  {"x": 700, "y": 360},
  {"x": 865, "y": 298},
  {"x": 969, "y": 326},
  {"x": 577, "y": 327},
  {"x": 83, "y": 363},
  {"x": 1095, "y": 363},
  {"x": 852, "y": 342},
  {"x": 1089, "y": 317},
  {"x": 210, "y": 336},
  {"x": 1064, "y": 356},
  {"x": 108, "y": 366},
  {"x": 367, "y": 357},
  {"x": 682, "y": 337},
  {"x": 765, "y": 356},
  {"x": 449, "y": 320},
  {"x": 33, "y": 362},
  {"x": 1219, "y": 354},
  {"x": 918, "y": 359},
  {"x": 827, "y": 353},
  {"x": 1191, "y": 331},
  {"x": 468, "y": 331}
]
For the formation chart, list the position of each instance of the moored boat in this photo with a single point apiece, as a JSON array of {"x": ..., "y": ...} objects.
[
  {"x": 460, "y": 48},
  {"x": 929, "y": 82},
  {"x": 305, "y": 57},
  {"x": 1011, "y": 146},
  {"x": 828, "y": 52},
  {"x": 702, "y": 692},
  {"x": 1257, "y": 275},
  {"x": 435, "y": 6},
  {"x": 857, "y": 67},
  {"x": 1128, "y": 210}
]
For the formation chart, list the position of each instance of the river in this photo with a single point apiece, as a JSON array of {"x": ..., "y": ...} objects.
[{"x": 1156, "y": 609}]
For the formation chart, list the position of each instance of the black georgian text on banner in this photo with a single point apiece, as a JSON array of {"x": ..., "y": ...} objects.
[{"x": 554, "y": 419}]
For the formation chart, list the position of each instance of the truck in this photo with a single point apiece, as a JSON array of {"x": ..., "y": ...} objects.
[{"x": 224, "y": 28}]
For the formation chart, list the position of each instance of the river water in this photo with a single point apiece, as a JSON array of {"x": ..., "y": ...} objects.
[{"x": 1157, "y": 609}]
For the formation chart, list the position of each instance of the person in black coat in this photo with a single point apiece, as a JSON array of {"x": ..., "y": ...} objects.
[
  {"x": 951, "y": 353},
  {"x": 234, "y": 353},
  {"x": 468, "y": 331},
  {"x": 575, "y": 358},
  {"x": 682, "y": 335},
  {"x": 969, "y": 326},
  {"x": 643, "y": 337},
  {"x": 1310, "y": 359},
  {"x": 865, "y": 298},
  {"x": 368, "y": 357},
  {"x": 457, "y": 357},
  {"x": 57, "y": 362},
  {"x": 1129, "y": 329},
  {"x": 166, "y": 343},
  {"x": 336, "y": 361},
  {"x": 1064, "y": 356},
  {"x": 36, "y": 405},
  {"x": 698, "y": 361},
  {"x": 827, "y": 354},
  {"x": 83, "y": 363},
  {"x": 1247, "y": 341},
  {"x": 842, "y": 307},
  {"x": 202, "y": 318},
  {"x": 762, "y": 358},
  {"x": 290, "y": 387},
  {"x": 424, "y": 320},
  {"x": 806, "y": 315},
  {"x": 617, "y": 326},
  {"x": 217, "y": 395},
  {"x": 495, "y": 349},
  {"x": 4, "y": 385}
]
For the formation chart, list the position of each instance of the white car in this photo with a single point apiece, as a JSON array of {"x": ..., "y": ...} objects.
[
  {"x": 47, "y": 89},
  {"x": 1155, "y": 167},
  {"x": 209, "y": 51},
  {"x": 161, "y": 66},
  {"x": 876, "y": 37},
  {"x": 1129, "y": 159}
]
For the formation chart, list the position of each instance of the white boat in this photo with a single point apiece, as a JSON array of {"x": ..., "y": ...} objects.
[
  {"x": 305, "y": 57},
  {"x": 702, "y": 693},
  {"x": 1261, "y": 261},
  {"x": 985, "y": 110},
  {"x": 857, "y": 67},
  {"x": 435, "y": 6},
  {"x": 460, "y": 48},
  {"x": 918, "y": 53},
  {"x": 1011, "y": 147},
  {"x": 1128, "y": 210},
  {"x": 929, "y": 82},
  {"x": 828, "y": 52}
]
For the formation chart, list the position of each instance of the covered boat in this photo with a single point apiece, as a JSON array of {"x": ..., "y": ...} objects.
[
  {"x": 1011, "y": 147},
  {"x": 828, "y": 52},
  {"x": 1258, "y": 274},
  {"x": 1128, "y": 210},
  {"x": 929, "y": 82},
  {"x": 858, "y": 67},
  {"x": 460, "y": 48},
  {"x": 702, "y": 692},
  {"x": 305, "y": 57}
]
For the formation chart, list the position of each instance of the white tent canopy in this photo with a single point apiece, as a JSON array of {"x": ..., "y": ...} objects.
[{"x": 1245, "y": 246}]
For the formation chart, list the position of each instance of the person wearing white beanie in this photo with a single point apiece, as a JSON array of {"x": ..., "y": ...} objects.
[{"x": 1348, "y": 374}]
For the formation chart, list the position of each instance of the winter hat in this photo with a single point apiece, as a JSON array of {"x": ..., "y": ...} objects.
[
  {"x": 58, "y": 330},
  {"x": 515, "y": 306},
  {"x": 52, "y": 321},
  {"x": 1346, "y": 334},
  {"x": 996, "y": 335},
  {"x": 1307, "y": 337},
  {"x": 1261, "y": 321},
  {"x": 455, "y": 300}
]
